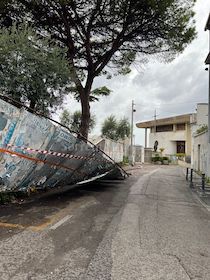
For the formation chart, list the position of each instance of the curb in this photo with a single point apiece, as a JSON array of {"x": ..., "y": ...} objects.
[{"x": 196, "y": 196}]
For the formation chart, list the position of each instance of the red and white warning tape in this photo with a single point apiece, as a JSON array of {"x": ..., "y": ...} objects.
[
  {"x": 44, "y": 152},
  {"x": 37, "y": 160},
  {"x": 53, "y": 153}
]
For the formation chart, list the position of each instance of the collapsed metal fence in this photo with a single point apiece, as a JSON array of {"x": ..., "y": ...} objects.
[{"x": 38, "y": 152}]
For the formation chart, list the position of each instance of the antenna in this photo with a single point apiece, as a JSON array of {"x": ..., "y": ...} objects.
[{"x": 155, "y": 118}]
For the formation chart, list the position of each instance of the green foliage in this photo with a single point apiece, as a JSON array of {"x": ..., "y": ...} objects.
[
  {"x": 156, "y": 158},
  {"x": 109, "y": 128},
  {"x": 116, "y": 130},
  {"x": 104, "y": 35},
  {"x": 161, "y": 159},
  {"x": 162, "y": 150},
  {"x": 98, "y": 92},
  {"x": 123, "y": 129},
  {"x": 207, "y": 180},
  {"x": 180, "y": 155},
  {"x": 116, "y": 32},
  {"x": 125, "y": 161},
  {"x": 66, "y": 118},
  {"x": 95, "y": 94},
  {"x": 202, "y": 128},
  {"x": 32, "y": 70},
  {"x": 165, "y": 158},
  {"x": 73, "y": 121}
]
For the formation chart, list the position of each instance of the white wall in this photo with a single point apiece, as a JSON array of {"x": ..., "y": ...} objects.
[
  {"x": 202, "y": 140},
  {"x": 112, "y": 148},
  {"x": 202, "y": 113},
  {"x": 201, "y": 118},
  {"x": 167, "y": 140}
]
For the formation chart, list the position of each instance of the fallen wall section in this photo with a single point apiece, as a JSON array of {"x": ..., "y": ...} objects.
[{"x": 35, "y": 153}]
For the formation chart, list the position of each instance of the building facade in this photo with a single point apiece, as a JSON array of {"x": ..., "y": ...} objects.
[
  {"x": 183, "y": 134},
  {"x": 172, "y": 135},
  {"x": 200, "y": 140}
]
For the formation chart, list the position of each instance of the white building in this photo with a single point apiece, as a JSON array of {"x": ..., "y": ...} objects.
[
  {"x": 200, "y": 140},
  {"x": 172, "y": 134},
  {"x": 187, "y": 134}
]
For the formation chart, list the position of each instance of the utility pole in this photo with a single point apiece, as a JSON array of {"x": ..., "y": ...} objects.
[
  {"x": 207, "y": 61},
  {"x": 207, "y": 27},
  {"x": 155, "y": 118},
  {"x": 132, "y": 111}
]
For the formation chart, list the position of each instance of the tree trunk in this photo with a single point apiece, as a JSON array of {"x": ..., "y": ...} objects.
[{"x": 85, "y": 118}]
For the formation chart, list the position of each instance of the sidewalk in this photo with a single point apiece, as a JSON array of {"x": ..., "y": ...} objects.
[{"x": 202, "y": 195}]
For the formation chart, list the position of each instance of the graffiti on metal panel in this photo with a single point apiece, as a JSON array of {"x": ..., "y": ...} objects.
[{"x": 20, "y": 169}]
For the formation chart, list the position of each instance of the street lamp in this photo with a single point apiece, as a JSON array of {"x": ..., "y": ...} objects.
[
  {"x": 207, "y": 61},
  {"x": 133, "y": 110}
]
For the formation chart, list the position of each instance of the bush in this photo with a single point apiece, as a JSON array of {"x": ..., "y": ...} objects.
[
  {"x": 156, "y": 158},
  {"x": 159, "y": 158},
  {"x": 125, "y": 161},
  {"x": 165, "y": 158},
  {"x": 180, "y": 156},
  {"x": 202, "y": 128}
]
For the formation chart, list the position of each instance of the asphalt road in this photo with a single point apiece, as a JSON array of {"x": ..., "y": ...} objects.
[{"x": 149, "y": 226}]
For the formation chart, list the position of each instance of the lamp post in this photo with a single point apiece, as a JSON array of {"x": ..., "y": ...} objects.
[
  {"x": 132, "y": 111},
  {"x": 207, "y": 61}
]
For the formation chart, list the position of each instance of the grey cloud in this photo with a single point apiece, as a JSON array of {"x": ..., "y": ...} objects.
[{"x": 172, "y": 89}]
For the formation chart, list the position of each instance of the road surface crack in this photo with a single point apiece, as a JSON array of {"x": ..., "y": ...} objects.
[{"x": 182, "y": 265}]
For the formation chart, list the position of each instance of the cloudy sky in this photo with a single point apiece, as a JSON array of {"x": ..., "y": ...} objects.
[{"x": 170, "y": 89}]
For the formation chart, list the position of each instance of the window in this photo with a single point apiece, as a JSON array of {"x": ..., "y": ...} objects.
[
  {"x": 164, "y": 128},
  {"x": 180, "y": 126}
]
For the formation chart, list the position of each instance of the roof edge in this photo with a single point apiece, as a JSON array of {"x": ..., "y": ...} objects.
[{"x": 186, "y": 118}]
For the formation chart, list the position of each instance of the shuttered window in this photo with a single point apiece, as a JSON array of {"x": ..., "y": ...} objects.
[
  {"x": 180, "y": 126},
  {"x": 164, "y": 128}
]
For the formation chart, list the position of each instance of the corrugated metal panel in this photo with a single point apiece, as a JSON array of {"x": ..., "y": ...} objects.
[{"x": 23, "y": 169}]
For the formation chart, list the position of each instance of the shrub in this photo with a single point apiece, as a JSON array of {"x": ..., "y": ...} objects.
[
  {"x": 125, "y": 160},
  {"x": 159, "y": 158},
  {"x": 156, "y": 158},
  {"x": 202, "y": 128},
  {"x": 165, "y": 158},
  {"x": 180, "y": 156}
]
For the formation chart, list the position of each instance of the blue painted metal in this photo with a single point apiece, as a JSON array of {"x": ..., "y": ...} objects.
[{"x": 19, "y": 127}]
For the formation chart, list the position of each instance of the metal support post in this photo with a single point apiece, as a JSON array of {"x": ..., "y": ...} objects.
[
  {"x": 191, "y": 178},
  {"x": 132, "y": 151},
  {"x": 203, "y": 182},
  {"x": 187, "y": 173},
  {"x": 207, "y": 61}
]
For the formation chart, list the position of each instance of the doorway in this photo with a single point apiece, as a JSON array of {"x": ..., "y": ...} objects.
[{"x": 180, "y": 147}]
